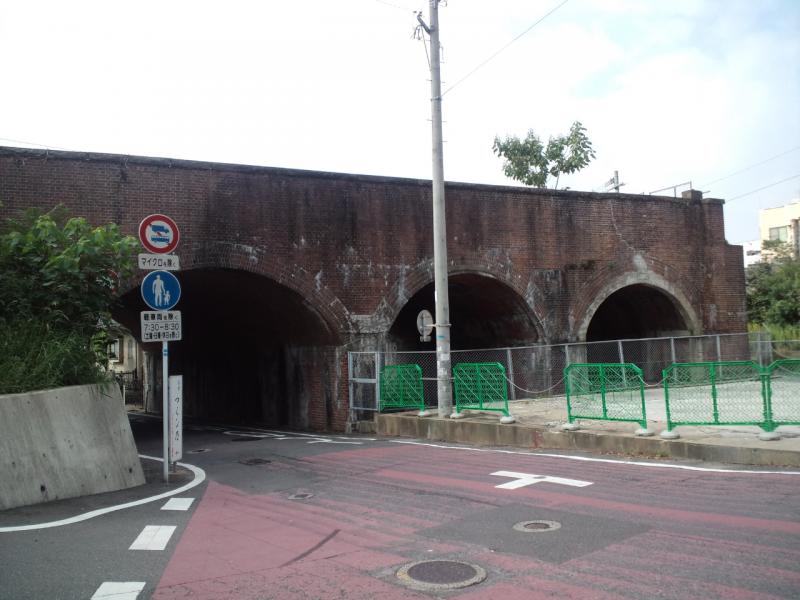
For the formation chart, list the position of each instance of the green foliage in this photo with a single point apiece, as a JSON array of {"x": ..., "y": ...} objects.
[
  {"x": 58, "y": 280},
  {"x": 532, "y": 163},
  {"x": 773, "y": 288},
  {"x": 34, "y": 356}
]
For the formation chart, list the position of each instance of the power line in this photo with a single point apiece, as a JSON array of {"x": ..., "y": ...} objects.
[
  {"x": 752, "y": 166},
  {"x": 32, "y": 144},
  {"x": 765, "y": 187},
  {"x": 393, "y": 5},
  {"x": 504, "y": 47}
]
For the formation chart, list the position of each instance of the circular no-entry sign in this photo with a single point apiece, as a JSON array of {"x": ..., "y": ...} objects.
[{"x": 159, "y": 234}]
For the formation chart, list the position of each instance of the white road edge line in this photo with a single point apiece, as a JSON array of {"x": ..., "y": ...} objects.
[
  {"x": 153, "y": 537},
  {"x": 601, "y": 460},
  {"x": 119, "y": 590},
  {"x": 199, "y": 477}
]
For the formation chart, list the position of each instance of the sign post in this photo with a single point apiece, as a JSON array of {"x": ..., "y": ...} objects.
[{"x": 161, "y": 291}]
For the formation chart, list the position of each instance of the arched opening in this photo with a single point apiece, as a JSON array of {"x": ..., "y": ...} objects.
[
  {"x": 252, "y": 349},
  {"x": 636, "y": 311},
  {"x": 485, "y": 313},
  {"x": 631, "y": 313}
]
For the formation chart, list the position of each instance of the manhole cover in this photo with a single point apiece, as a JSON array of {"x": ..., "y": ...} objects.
[
  {"x": 537, "y": 526},
  {"x": 199, "y": 451},
  {"x": 431, "y": 575},
  {"x": 301, "y": 496},
  {"x": 244, "y": 439},
  {"x": 254, "y": 461}
]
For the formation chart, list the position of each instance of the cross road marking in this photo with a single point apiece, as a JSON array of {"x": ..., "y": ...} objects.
[{"x": 523, "y": 479}]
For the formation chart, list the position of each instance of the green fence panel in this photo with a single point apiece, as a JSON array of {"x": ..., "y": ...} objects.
[
  {"x": 606, "y": 392},
  {"x": 481, "y": 386},
  {"x": 715, "y": 393},
  {"x": 401, "y": 388},
  {"x": 783, "y": 394}
]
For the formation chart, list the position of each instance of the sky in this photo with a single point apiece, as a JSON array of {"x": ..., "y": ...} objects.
[{"x": 670, "y": 91}]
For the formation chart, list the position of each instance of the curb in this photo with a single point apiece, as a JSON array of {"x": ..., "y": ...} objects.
[{"x": 481, "y": 433}]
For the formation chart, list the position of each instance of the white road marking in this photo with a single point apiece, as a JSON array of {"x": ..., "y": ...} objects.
[
  {"x": 199, "y": 477},
  {"x": 118, "y": 590},
  {"x": 178, "y": 504},
  {"x": 153, "y": 537},
  {"x": 653, "y": 465},
  {"x": 524, "y": 479}
]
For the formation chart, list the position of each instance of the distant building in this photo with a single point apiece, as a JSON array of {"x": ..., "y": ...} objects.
[
  {"x": 782, "y": 224},
  {"x": 752, "y": 252}
]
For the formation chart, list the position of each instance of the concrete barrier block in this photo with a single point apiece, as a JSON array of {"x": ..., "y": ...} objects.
[{"x": 63, "y": 443}]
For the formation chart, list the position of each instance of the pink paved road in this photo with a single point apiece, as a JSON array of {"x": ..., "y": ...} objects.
[{"x": 637, "y": 532}]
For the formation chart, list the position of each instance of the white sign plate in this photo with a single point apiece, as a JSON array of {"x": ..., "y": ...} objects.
[
  {"x": 175, "y": 417},
  {"x": 161, "y": 325},
  {"x": 159, "y": 262}
]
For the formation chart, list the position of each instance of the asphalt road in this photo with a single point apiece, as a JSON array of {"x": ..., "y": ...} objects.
[{"x": 298, "y": 516}]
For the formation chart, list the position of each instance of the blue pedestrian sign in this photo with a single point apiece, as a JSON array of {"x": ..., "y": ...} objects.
[{"x": 161, "y": 290}]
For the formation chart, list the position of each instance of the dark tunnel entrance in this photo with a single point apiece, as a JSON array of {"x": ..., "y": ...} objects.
[
  {"x": 251, "y": 348},
  {"x": 485, "y": 313},
  {"x": 632, "y": 313},
  {"x": 636, "y": 311}
]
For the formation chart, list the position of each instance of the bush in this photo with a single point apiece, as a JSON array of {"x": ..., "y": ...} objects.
[
  {"x": 35, "y": 356},
  {"x": 58, "y": 280}
]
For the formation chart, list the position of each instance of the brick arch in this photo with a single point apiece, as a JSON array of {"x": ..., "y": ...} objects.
[
  {"x": 422, "y": 275},
  {"x": 236, "y": 257},
  {"x": 680, "y": 298}
]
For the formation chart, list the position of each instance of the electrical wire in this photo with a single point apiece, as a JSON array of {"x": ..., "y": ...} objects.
[
  {"x": 465, "y": 77},
  {"x": 705, "y": 185},
  {"x": 763, "y": 188},
  {"x": 32, "y": 144}
]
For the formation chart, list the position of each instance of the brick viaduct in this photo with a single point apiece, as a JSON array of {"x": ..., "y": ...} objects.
[{"x": 284, "y": 271}]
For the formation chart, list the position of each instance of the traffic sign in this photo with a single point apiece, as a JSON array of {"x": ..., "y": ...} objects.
[
  {"x": 425, "y": 325},
  {"x": 161, "y": 325},
  {"x": 152, "y": 262},
  {"x": 159, "y": 234},
  {"x": 161, "y": 290}
]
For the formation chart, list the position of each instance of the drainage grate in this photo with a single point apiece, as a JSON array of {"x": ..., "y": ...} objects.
[
  {"x": 254, "y": 461},
  {"x": 199, "y": 451},
  {"x": 433, "y": 575},
  {"x": 538, "y": 526},
  {"x": 301, "y": 496},
  {"x": 244, "y": 439}
]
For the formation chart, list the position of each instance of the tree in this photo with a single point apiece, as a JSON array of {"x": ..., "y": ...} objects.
[
  {"x": 58, "y": 280},
  {"x": 773, "y": 288},
  {"x": 532, "y": 163}
]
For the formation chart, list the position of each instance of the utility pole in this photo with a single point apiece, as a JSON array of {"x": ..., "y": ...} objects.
[{"x": 443, "y": 370}]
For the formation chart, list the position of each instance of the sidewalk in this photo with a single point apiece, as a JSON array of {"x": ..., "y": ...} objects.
[{"x": 538, "y": 425}]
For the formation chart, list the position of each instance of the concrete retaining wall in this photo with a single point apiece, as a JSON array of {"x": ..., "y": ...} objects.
[{"x": 63, "y": 443}]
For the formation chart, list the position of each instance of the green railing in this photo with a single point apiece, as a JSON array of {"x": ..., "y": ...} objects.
[
  {"x": 732, "y": 393},
  {"x": 606, "y": 392},
  {"x": 481, "y": 386},
  {"x": 401, "y": 388},
  {"x": 783, "y": 394}
]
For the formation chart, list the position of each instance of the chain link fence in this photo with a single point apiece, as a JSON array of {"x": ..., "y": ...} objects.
[{"x": 538, "y": 371}]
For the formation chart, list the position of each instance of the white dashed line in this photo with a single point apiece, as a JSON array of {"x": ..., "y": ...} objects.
[
  {"x": 119, "y": 590},
  {"x": 178, "y": 504},
  {"x": 153, "y": 537}
]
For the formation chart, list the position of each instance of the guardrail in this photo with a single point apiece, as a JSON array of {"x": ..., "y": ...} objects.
[
  {"x": 401, "y": 388},
  {"x": 481, "y": 386},
  {"x": 605, "y": 392},
  {"x": 732, "y": 393}
]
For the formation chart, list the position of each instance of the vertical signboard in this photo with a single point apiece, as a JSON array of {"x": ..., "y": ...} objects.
[{"x": 175, "y": 417}]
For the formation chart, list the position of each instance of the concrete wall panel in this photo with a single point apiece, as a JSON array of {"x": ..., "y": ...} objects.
[{"x": 63, "y": 443}]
